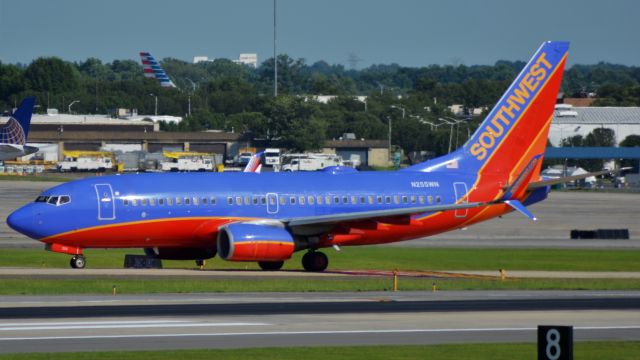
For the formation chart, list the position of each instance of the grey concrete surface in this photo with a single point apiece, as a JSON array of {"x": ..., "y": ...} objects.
[{"x": 157, "y": 327}]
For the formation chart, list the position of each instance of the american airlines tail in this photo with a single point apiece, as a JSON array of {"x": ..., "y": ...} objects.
[
  {"x": 16, "y": 130},
  {"x": 509, "y": 144},
  {"x": 152, "y": 69}
]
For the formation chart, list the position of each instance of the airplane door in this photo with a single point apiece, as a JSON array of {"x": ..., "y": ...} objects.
[
  {"x": 272, "y": 203},
  {"x": 106, "y": 206},
  {"x": 460, "y": 189}
]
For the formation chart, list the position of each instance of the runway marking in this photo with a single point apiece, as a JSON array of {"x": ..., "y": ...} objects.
[
  {"x": 118, "y": 325},
  {"x": 326, "y": 332}
]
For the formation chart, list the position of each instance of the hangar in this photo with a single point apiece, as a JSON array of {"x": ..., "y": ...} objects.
[{"x": 569, "y": 121}]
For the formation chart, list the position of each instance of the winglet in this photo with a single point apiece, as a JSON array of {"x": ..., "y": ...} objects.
[{"x": 517, "y": 205}]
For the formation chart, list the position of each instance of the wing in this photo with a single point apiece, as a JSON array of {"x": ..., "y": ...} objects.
[{"x": 375, "y": 214}]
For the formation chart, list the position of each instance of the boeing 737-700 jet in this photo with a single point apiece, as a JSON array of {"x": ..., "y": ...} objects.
[
  {"x": 266, "y": 217},
  {"x": 13, "y": 134}
]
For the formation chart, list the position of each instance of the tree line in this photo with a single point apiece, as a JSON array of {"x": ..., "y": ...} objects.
[{"x": 234, "y": 97}]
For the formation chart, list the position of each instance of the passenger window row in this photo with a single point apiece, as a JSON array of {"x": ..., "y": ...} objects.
[
  {"x": 285, "y": 199},
  {"x": 143, "y": 201}
]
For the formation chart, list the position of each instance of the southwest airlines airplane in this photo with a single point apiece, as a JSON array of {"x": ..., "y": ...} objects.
[
  {"x": 13, "y": 134},
  {"x": 266, "y": 217}
]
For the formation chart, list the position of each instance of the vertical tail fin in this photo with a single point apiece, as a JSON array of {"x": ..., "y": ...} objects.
[
  {"x": 255, "y": 164},
  {"x": 152, "y": 69},
  {"x": 16, "y": 130},
  {"x": 514, "y": 134}
]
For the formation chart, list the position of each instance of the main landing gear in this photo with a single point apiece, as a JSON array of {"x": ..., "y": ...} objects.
[
  {"x": 315, "y": 261},
  {"x": 78, "y": 262}
]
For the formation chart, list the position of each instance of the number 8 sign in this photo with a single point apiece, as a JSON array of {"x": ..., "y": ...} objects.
[{"x": 555, "y": 342}]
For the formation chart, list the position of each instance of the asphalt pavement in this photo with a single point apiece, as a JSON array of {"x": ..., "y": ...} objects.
[{"x": 253, "y": 320}]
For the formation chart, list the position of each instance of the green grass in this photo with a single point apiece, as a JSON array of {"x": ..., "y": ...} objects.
[
  {"x": 381, "y": 258},
  {"x": 582, "y": 350},
  {"x": 139, "y": 285},
  {"x": 376, "y": 257}
]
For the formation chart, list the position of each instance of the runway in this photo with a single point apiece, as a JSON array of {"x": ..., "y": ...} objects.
[{"x": 271, "y": 319}]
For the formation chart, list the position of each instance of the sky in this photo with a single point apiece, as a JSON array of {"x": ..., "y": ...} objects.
[{"x": 407, "y": 32}]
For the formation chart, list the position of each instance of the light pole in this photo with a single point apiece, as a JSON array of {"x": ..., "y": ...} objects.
[
  {"x": 450, "y": 132},
  {"x": 73, "y": 102},
  {"x": 389, "y": 135},
  {"x": 193, "y": 90},
  {"x": 156, "y": 108},
  {"x": 275, "y": 51},
  {"x": 399, "y": 108}
]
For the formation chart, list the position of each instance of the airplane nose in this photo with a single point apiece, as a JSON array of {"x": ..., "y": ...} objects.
[{"x": 22, "y": 221}]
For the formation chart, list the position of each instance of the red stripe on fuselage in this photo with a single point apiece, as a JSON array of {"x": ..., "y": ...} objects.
[{"x": 174, "y": 232}]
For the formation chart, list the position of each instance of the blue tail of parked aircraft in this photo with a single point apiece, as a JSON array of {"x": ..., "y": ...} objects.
[
  {"x": 152, "y": 69},
  {"x": 16, "y": 130}
]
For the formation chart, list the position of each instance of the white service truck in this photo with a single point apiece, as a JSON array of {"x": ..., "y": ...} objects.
[
  {"x": 309, "y": 161},
  {"x": 188, "y": 163},
  {"x": 272, "y": 157},
  {"x": 85, "y": 163}
]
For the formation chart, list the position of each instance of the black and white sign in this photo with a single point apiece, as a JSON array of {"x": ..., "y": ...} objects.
[{"x": 555, "y": 342}]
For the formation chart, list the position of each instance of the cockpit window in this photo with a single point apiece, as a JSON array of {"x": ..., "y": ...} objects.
[{"x": 56, "y": 200}]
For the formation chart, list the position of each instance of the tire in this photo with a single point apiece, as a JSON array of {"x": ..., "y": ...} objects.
[
  {"x": 315, "y": 261},
  {"x": 270, "y": 265},
  {"x": 78, "y": 262}
]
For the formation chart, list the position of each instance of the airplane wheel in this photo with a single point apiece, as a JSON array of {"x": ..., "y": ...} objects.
[
  {"x": 270, "y": 265},
  {"x": 315, "y": 261},
  {"x": 78, "y": 262}
]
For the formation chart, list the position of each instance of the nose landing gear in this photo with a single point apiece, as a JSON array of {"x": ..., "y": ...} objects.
[{"x": 78, "y": 262}]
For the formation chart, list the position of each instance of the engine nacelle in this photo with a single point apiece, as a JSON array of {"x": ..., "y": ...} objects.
[
  {"x": 181, "y": 253},
  {"x": 254, "y": 242}
]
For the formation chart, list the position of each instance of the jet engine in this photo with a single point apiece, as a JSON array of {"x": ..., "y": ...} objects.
[{"x": 255, "y": 242}]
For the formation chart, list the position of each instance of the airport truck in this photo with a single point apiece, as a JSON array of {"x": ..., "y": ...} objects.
[
  {"x": 272, "y": 157},
  {"x": 187, "y": 161},
  {"x": 244, "y": 156},
  {"x": 86, "y": 161},
  {"x": 309, "y": 161}
]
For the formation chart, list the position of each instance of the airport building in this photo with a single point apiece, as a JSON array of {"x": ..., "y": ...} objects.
[
  {"x": 569, "y": 121},
  {"x": 54, "y": 134}
]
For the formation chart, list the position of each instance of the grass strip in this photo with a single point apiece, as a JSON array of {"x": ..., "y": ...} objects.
[
  {"x": 375, "y": 258},
  {"x": 129, "y": 285},
  {"x": 621, "y": 350}
]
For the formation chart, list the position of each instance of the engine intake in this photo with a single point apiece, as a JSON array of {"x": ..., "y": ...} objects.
[{"x": 254, "y": 242}]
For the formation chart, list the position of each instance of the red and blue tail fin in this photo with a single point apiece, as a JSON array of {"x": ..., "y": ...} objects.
[
  {"x": 16, "y": 130},
  {"x": 152, "y": 69},
  {"x": 514, "y": 134},
  {"x": 255, "y": 163}
]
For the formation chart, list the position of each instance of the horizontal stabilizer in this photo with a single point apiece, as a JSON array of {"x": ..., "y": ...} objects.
[{"x": 517, "y": 205}]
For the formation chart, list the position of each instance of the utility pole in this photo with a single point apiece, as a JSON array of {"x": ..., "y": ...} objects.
[{"x": 275, "y": 52}]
